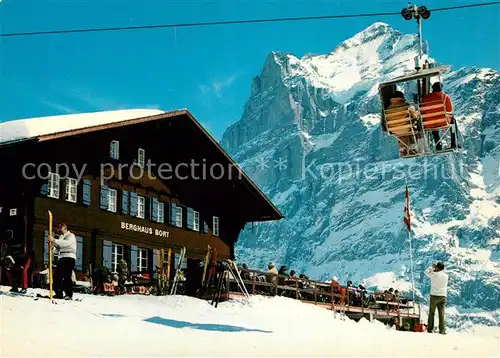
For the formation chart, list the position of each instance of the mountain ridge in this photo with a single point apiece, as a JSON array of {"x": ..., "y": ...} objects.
[{"x": 310, "y": 138}]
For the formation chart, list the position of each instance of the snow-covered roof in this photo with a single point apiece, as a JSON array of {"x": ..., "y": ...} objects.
[{"x": 22, "y": 129}]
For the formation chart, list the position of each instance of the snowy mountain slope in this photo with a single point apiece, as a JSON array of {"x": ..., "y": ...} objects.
[
  {"x": 177, "y": 326},
  {"x": 310, "y": 138}
]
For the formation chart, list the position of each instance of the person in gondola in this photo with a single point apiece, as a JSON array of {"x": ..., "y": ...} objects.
[
  {"x": 437, "y": 95},
  {"x": 406, "y": 143}
]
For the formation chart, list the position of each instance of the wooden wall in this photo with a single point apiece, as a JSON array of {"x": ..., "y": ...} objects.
[{"x": 107, "y": 225}]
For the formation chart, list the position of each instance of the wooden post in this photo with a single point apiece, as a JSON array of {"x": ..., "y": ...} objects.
[
  {"x": 50, "y": 257},
  {"x": 227, "y": 284},
  {"x": 296, "y": 288},
  {"x": 362, "y": 303},
  {"x": 169, "y": 255},
  {"x": 315, "y": 295},
  {"x": 253, "y": 284},
  {"x": 331, "y": 293}
]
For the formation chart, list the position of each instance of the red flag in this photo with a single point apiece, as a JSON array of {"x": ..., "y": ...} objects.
[{"x": 407, "y": 219}]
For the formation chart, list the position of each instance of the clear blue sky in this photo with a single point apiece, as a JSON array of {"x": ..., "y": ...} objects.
[{"x": 206, "y": 69}]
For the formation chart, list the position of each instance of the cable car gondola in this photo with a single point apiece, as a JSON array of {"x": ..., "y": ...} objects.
[{"x": 421, "y": 121}]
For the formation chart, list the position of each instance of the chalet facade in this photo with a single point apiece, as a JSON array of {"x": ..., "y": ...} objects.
[{"x": 127, "y": 184}]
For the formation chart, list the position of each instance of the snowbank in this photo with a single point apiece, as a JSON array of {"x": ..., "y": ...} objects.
[{"x": 182, "y": 326}]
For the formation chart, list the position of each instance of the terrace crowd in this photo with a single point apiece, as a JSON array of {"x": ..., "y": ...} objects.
[{"x": 287, "y": 283}]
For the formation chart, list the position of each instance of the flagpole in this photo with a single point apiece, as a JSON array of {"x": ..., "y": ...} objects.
[
  {"x": 411, "y": 269},
  {"x": 408, "y": 224}
]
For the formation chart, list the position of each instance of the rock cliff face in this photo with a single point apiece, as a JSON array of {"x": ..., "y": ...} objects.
[{"x": 310, "y": 138}]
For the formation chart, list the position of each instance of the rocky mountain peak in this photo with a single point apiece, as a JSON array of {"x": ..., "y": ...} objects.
[{"x": 373, "y": 32}]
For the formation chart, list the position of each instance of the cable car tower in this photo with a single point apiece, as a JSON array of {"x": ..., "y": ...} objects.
[
  {"x": 418, "y": 13},
  {"x": 422, "y": 122}
]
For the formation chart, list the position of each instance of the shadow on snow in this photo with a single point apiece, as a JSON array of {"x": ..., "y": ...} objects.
[
  {"x": 116, "y": 315},
  {"x": 201, "y": 326}
]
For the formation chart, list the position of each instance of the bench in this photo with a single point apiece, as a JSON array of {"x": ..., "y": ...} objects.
[
  {"x": 434, "y": 115},
  {"x": 399, "y": 121}
]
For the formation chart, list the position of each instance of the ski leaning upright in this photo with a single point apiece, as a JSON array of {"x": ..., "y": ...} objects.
[
  {"x": 177, "y": 271},
  {"x": 233, "y": 269},
  {"x": 220, "y": 275},
  {"x": 159, "y": 272}
]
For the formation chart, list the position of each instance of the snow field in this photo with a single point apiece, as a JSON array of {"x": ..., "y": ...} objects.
[{"x": 143, "y": 326}]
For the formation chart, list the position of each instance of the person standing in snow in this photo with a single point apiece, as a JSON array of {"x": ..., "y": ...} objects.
[
  {"x": 439, "y": 288},
  {"x": 272, "y": 277},
  {"x": 66, "y": 245}
]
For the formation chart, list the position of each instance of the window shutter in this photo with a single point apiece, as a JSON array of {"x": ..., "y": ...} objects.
[
  {"x": 173, "y": 212},
  {"x": 196, "y": 220},
  {"x": 125, "y": 195},
  {"x": 179, "y": 209},
  {"x": 181, "y": 265},
  {"x": 86, "y": 191},
  {"x": 205, "y": 227},
  {"x": 79, "y": 253},
  {"x": 107, "y": 249},
  {"x": 104, "y": 197},
  {"x": 155, "y": 260},
  {"x": 63, "y": 184},
  {"x": 190, "y": 216},
  {"x": 46, "y": 247},
  {"x": 44, "y": 190},
  {"x": 147, "y": 207},
  {"x": 215, "y": 225},
  {"x": 162, "y": 206},
  {"x": 133, "y": 203},
  {"x": 154, "y": 209},
  {"x": 133, "y": 258}
]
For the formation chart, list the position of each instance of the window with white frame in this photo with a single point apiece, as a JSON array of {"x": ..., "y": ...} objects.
[
  {"x": 142, "y": 260},
  {"x": 215, "y": 226},
  {"x": 114, "y": 149},
  {"x": 116, "y": 256},
  {"x": 196, "y": 221},
  {"x": 141, "y": 207},
  {"x": 141, "y": 157},
  {"x": 54, "y": 185},
  {"x": 178, "y": 216},
  {"x": 112, "y": 200},
  {"x": 161, "y": 212},
  {"x": 71, "y": 185}
]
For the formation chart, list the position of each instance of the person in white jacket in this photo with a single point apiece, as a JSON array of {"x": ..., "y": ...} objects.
[
  {"x": 66, "y": 244},
  {"x": 439, "y": 288}
]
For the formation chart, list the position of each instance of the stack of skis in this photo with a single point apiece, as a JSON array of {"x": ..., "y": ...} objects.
[
  {"x": 217, "y": 275},
  {"x": 163, "y": 272},
  {"x": 215, "y": 278}
]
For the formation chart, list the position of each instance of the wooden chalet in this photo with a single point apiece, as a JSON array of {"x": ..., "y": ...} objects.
[{"x": 176, "y": 188}]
